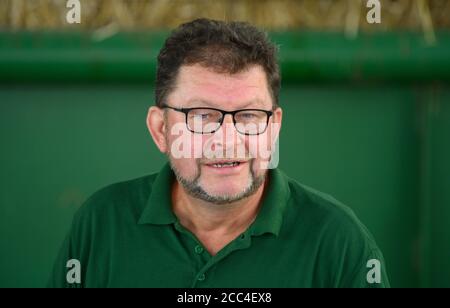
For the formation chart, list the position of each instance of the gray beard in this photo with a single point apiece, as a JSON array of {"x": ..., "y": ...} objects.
[{"x": 194, "y": 189}]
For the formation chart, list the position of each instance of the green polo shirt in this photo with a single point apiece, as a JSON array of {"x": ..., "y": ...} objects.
[{"x": 126, "y": 235}]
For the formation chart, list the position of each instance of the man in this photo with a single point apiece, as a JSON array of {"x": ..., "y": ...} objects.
[{"x": 216, "y": 215}]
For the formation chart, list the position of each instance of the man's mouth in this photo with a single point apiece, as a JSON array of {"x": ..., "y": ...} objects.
[{"x": 224, "y": 164}]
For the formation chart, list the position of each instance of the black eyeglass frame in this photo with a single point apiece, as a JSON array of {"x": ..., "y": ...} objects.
[{"x": 269, "y": 113}]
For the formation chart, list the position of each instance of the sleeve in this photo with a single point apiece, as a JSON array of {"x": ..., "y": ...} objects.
[
  {"x": 354, "y": 260},
  {"x": 81, "y": 259},
  {"x": 59, "y": 275},
  {"x": 67, "y": 270},
  {"x": 370, "y": 272}
]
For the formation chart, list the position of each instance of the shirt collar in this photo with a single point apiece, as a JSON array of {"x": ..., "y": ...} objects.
[
  {"x": 275, "y": 199},
  {"x": 158, "y": 210}
]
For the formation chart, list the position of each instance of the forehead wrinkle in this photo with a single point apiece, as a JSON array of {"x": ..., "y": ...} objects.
[
  {"x": 214, "y": 90},
  {"x": 252, "y": 104}
]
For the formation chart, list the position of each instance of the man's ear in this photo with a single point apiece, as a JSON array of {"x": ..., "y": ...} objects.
[{"x": 156, "y": 127}]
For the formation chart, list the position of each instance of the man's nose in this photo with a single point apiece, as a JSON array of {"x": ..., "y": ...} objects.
[{"x": 227, "y": 124}]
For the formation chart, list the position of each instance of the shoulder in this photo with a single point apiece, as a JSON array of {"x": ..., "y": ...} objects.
[
  {"x": 334, "y": 236},
  {"x": 328, "y": 217},
  {"x": 125, "y": 198}
]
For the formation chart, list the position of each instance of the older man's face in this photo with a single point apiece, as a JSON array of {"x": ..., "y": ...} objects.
[{"x": 224, "y": 166}]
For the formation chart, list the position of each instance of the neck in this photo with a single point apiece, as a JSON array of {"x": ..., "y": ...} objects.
[{"x": 215, "y": 225}]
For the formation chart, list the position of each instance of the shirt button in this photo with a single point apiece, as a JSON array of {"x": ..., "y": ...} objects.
[
  {"x": 201, "y": 277},
  {"x": 198, "y": 249},
  {"x": 243, "y": 236}
]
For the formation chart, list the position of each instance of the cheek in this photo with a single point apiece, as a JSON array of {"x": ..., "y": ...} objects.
[
  {"x": 181, "y": 151},
  {"x": 199, "y": 143},
  {"x": 185, "y": 166},
  {"x": 259, "y": 147}
]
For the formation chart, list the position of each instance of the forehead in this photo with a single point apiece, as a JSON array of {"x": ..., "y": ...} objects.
[{"x": 197, "y": 86}]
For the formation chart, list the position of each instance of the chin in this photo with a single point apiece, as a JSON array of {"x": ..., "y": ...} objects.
[
  {"x": 225, "y": 185},
  {"x": 221, "y": 192}
]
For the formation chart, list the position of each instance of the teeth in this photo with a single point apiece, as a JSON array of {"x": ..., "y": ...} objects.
[{"x": 230, "y": 164}]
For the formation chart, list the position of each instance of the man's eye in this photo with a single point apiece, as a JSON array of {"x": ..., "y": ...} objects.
[
  {"x": 202, "y": 116},
  {"x": 248, "y": 115}
]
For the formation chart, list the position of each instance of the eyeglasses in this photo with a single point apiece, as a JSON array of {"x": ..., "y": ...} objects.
[{"x": 209, "y": 120}]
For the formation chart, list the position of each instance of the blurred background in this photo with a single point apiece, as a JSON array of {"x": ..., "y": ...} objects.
[{"x": 367, "y": 116}]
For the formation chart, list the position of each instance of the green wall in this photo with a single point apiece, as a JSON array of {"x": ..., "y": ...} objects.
[
  {"x": 380, "y": 147},
  {"x": 436, "y": 188}
]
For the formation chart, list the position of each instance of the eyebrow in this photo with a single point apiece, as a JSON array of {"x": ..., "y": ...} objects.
[{"x": 205, "y": 103}]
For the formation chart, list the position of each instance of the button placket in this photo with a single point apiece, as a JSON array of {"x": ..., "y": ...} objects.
[
  {"x": 201, "y": 277},
  {"x": 199, "y": 249}
]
